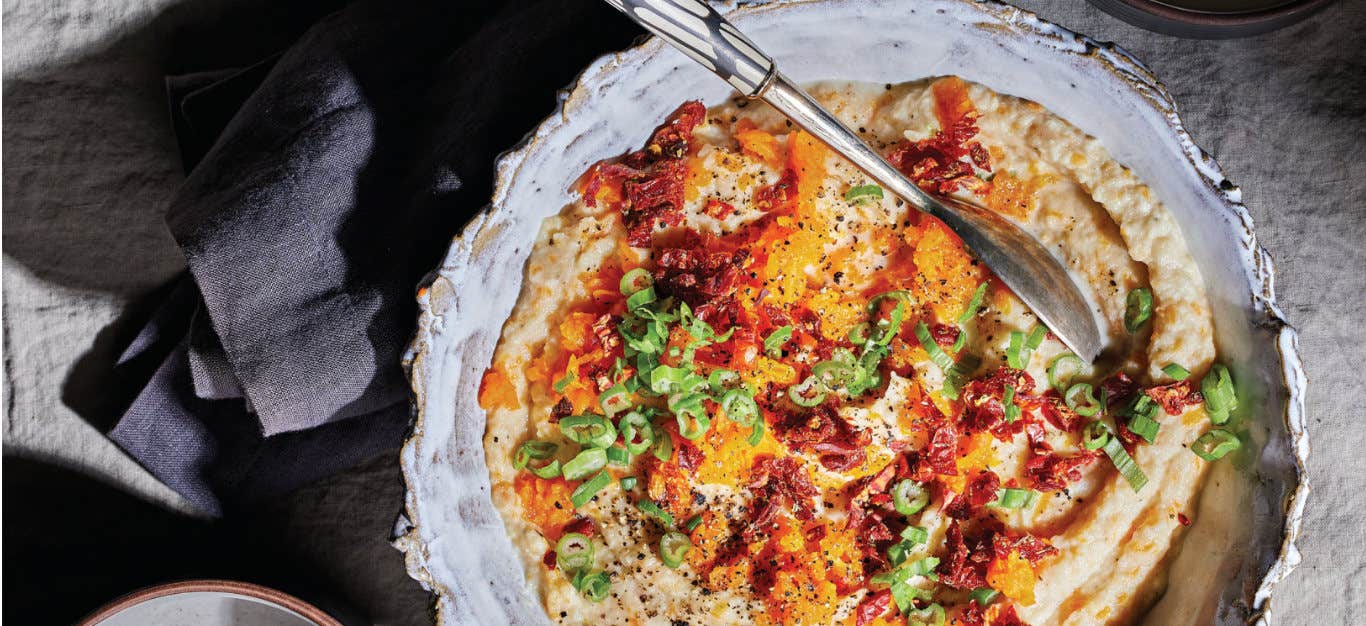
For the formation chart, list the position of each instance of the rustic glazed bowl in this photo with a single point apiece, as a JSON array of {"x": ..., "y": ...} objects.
[
  {"x": 1211, "y": 19},
  {"x": 1242, "y": 542},
  {"x": 209, "y": 603}
]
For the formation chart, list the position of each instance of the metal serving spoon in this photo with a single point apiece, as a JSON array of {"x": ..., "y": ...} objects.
[{"x": 1013, "y": 254}]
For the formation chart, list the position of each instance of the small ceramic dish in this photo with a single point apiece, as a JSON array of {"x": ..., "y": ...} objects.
[
  {"x": 1242, "y": 542},
  {"x": 1212, "y": 19},
  {"x": 209, "y": 603}
]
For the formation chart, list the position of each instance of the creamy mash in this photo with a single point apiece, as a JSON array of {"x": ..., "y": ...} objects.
[{"x": 743, "y": 384}]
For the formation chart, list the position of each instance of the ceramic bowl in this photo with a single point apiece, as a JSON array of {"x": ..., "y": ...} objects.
[
  {"x": 1242, "y": 542},
  {"x": 209, "y": 603},
  {"x": 1212, "y": 19}
]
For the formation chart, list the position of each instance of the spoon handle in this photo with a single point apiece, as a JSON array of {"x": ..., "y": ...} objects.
[
  {"x": 1015, "y": 256},
  {"x": 701, "y": 33}
]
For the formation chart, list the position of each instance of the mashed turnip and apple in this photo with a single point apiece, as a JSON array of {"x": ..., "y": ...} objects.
[{"x": 742, "y": 384}]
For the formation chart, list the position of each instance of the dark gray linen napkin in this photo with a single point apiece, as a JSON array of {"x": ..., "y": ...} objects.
[{"x": 324, "y": 184}]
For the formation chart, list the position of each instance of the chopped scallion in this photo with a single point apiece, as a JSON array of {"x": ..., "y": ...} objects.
[
  {"x": 974, "y": 304},
  {"x": 587, "y": 489},
  {"x": 859, "y": 194},
  {"x": 1081, "y": 398},
  {"x": 1176, "y": 371},
  {"x": 1220, "y": 397},
  {"x": 573, "y": 553},
  {"x": 773, "y": 343},
  {"x": 673, "y": 546},
  {"x": 1060, "y": 379},
  {"x": 1214, "y": 444},
  {"x": 1125, "y": 464},
  {"x": 634, "y": 281},
  {"x": 564, "y": 383},
  {"x": 650, "y": 508},
  {"x": 628, "y": 483},
  {"x": 585, "y": 463},
  {"x": 1138, "y": 307},
  {"x": 908, "y": 497},
  {"x": 1145, "y": 427},
  {"x": 692, "y": 523},
  {"x": 984, "y": 595}
]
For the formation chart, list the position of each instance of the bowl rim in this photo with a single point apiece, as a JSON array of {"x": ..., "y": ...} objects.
[
  {"x": 1114, "y": 59},
  {"x": 1214, "y": 18},
  {"x": 209, "y": 585}
]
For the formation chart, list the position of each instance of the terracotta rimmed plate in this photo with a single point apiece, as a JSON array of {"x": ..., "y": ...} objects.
[
  {"x": 1211, "y": 19},
  {"x": 209, "y": 603},
  {"x": 1242, "y": 542}
]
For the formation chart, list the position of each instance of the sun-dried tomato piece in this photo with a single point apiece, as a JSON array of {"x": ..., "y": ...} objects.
[
  {"x": 1062, "y": 417},
  {"x": 822, "y": 431},
  {"x": 872, "y": 607},
  {"x": 717, "y": 209},
  {"x": 978, "y": 492},
  {"x": 1174, "y": 398},
  {"x": 562, "y": 409},
  {"x": 936, "y": 163},
  {"x": 673, "y": 138},
  {"x": 581, "y": 525},
  {"x": 783, "y": 482},
  {"x": 780, "y": 197},
  {"x": 970, "y": 615},
  {"x": 940, "y": 456},
  {"x": 944, "y": 334},
  {"x": 605, "y": 330},
  {"x": 698, "y": 275},
  {"x": 965, "y": 566},
  {"x": 1052, "y": 471},
  {"x": 983, "y": 402},
  {"x": 1032, "y": 548},
  {"x": 654, "y": 200},
  {"x": 689, "y": 456},
  {"x": 1118, "y": 387}
]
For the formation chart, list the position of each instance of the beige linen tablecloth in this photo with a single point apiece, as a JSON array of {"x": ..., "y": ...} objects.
[{"x": 90, "y": 163}]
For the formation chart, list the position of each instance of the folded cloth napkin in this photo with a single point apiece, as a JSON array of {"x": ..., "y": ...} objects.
[{"x": 325, "y": 183}]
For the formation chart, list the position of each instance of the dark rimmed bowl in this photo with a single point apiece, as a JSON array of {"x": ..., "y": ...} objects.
[{"x": 1211, "y": 23}]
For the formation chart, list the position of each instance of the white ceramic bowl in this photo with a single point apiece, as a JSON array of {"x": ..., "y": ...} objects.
[
  {"x": 209, "y": 603},
  {"x": 1242, "y": 542}
]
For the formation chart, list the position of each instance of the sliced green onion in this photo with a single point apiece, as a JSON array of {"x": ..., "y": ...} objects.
[
  {"x": 628, "y": 483},
  {"x": 585, "y": 463},
  {"x": 807, "y": 393},
  {"x": 959, "y": 373},
  {"x": 905, "y": 595},
  {"x": 900, "y": 295},
  {"x": 775, "y": 340},
  {"x": 1220, "y": 397},
  {"x": 1012, "y": 498},
  {"x": 693, "y": 421},
  {"x": 916, "y": 535},
  {"x": 587, "y": 489},
  {"x": 931, "y": 615},
  {"x": 1176, "y": 371},
  {"x": 537, "y": 450},
  {"x": 1095, "y": 436},
  {"x": 1056, "y": 378},
  {"x": 1145, "y": 427},
  {"x": 640, "y": 298},
  {"x": 595, "y": 585},
  {"x": 858, "y": 335},
  {"x": 563, "y": 383},
  {"x": 548, "y": 471},
  {"x": 664, "y": 444},
  {"x": 757, "y": 433},
  {"x": 1138, "y": 307},
  {"x": 923, "y": 567},
  {"x": 859, "y": 194},
  {"x": 673, "y": 546},
  {"x": 615, "y": 399},
  {"x": 720, "y": 379},
  {"x": 1125, "y": 464},
  {"x": 897, "y": 552},
  {"x": 1214, "y": 444},
  {"x": 1140, "y": 406},
  {"x": 589, "y": 430},
  {"x": 958, "y": 343},
  {"x": 984, "y": 595},
  {"x": 740, "y": 406},
  {"x": 635, "y": 280},
  {"x": 1012, "y": 410},
  {"x": 937, "y": 354},
  {"x": 573, "y": 553},
  {"x": 636, "y": 432},
  {"x": 617, "y": 455},
  {"x": 835, "y": 374},
  {"x": 908, "y": 497},
  {"x": 1022, "y": 347},
  {"x": 1082, "y": 399},
  {"x": 648, "y": 507},
  {"x": 974, "y": 304},
  {"x": 692, "y": 523}
]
